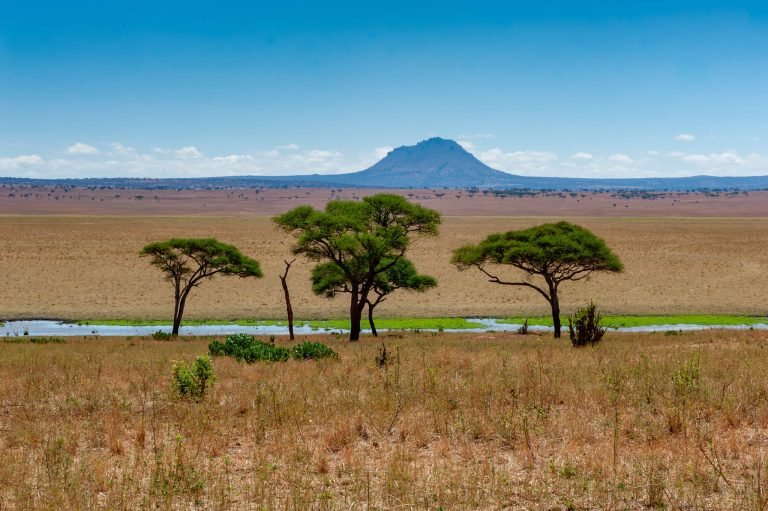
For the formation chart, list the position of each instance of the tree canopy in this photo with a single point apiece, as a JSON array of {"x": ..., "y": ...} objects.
[
  {"x": 362, "y": 239},
  {"x": 555, "y": 252},
  {"x": 186, "y": 262}
]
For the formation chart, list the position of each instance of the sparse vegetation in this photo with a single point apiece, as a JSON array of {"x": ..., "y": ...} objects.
[{"x": 462, "y": 421}]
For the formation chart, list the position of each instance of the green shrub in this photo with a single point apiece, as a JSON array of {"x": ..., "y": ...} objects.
[
  {"x": 585, "y": 326},
  {"x": 161, "y": 336},
  {"x": 191, "y": 381},
  {"x": 248, "y": 348},
  {"x": 312, "y": 350}
]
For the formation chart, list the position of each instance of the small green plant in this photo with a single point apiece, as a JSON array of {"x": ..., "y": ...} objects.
[
  {"x": 523, "y": 330},
  {"x": 585, "y": 326},
  {"x": 161, "y": 336},
  {"x": 192, "y": 381},
  {"x": 244, "y": 347},
  {"x": 312, "y": 350}
]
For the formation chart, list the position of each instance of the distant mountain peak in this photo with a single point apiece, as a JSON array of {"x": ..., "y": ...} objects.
[{"x": 433, "y": 162}]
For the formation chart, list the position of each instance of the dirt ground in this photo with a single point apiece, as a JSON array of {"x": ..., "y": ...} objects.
[
  {"x": 87, "y": 201},
  {"x": 74, "y": 267}
]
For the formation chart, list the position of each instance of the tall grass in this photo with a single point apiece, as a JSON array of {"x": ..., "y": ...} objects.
[{"x": 454, "y": 421}]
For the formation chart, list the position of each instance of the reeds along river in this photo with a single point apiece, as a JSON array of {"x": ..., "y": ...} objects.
[{"x": 41, "y": 328}]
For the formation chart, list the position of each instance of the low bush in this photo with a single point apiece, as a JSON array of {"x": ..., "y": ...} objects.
[
  {"x": 46, "y": 340},
  {"x": 161, "y": 336},
  {"x": 585, "y": 326},
  {"x": 192, "y": 381},
  {"x": 244, "y": 347},
  {"x": 248, "y": 348},
  {"x": 312, "y": 350}
]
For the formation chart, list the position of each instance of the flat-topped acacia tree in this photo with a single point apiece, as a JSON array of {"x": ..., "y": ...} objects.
[
  {"x": 556, "y": 253},
  {"x": 187, "y": 262},
  {"x": 363, "y": 239},
  {"x": 329, "y": 280}
]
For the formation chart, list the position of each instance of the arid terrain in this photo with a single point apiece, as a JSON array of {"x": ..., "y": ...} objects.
[
  {"x": 25, "y": 200},
  {"x": 78, "y": 267},
  {"x": 493, "y": 421},
  {"x": 69, "y": 261}
]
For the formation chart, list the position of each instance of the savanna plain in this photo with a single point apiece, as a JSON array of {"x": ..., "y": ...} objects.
[{"x": 446, "y": 421}]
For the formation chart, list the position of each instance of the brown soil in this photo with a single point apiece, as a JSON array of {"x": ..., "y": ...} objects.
[
  {"x": 75, "y": 267},
  {"x": 84, "y": 201}
]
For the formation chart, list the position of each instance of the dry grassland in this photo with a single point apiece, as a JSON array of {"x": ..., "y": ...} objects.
[
  {"x": 88, "y": 267},
  {"x": 643, "y": 421}
]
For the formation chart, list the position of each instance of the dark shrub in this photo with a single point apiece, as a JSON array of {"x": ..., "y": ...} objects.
[
  {"x": 248, "y": 348},
  {"x": 585, "y": 326},
  {"x": 312, "y": 350}
]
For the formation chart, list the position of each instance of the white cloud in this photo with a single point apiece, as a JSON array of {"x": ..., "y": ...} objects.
[
  {"x": 653, "y": 152},
  {"x": 288, "y": 147},
  {"x": 685, "y": 137},
  {"x": 17, "y": 162},
  {"x": 80, "y": 148},
  {"x": 620, "y": 158},
  {"x": 467, "y": 145},
  {"x": 581, "y": 156},
  {"x": 728, "y": 157},
  {"x": 381, "y": 152},
  {"x": 189, "y": 151}
]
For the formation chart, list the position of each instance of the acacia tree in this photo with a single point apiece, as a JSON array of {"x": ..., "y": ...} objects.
[
  {"x": 363, "y": 239},
  {"x": 329, "y": 280},
  {"x": 187, "y": 262},
  {"x": 556, "y": 252}
]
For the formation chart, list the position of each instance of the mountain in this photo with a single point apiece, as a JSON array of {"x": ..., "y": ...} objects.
[
  {"x": 436, "y": 162},
  {"x": 432, "y": 163}
]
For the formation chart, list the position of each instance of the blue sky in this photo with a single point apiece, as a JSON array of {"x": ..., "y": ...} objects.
[{"x": 538, "y": 88}]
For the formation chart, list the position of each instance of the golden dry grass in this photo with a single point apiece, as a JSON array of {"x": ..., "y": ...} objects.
[
  {"x": 454, "y": 422},
  {"x": 88, "y": 267}
]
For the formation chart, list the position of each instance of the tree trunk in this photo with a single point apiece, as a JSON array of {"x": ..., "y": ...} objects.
[
  {"x": 370, "y": 320},
  {"x": 355, "y": 314},
  {"x": 176, "y": 314},
  {"x": 289, "y": 309},
  {"x": 179, "y": 312},
  {"x": 555, "y": 314}
]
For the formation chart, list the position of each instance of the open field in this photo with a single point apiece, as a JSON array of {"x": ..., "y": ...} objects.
[
  {"x": 495, "y": 421},
  {"x": 97, "y": 201},
  {"x": 71, "y": 267}
]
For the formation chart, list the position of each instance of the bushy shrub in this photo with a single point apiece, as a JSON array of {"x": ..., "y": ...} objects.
[
  {"x": 244, "y": 347},
  {"x": 312, "y": 350},
  {"x": 191, "y": 381},
  {"x": 585, "y": 326},
  {"x": 161, "y": 336},
  {"x": 248, "y": 348}
]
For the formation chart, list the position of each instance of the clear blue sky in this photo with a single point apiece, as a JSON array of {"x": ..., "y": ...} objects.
[{"x": 92, "y": 88}]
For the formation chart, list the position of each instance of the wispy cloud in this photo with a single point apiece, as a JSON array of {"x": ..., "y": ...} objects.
[
  {"x": 620, "y": 158},
  {"x": 582, "y": 156},
  {"x": 685, "y": 137},
  {"x": 80, "y": 148}
]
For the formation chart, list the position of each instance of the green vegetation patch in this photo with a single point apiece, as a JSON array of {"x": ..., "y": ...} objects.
[
  {"x": 191, "y": 322},
  {"x": 401, "y": 324},
  {"x": 244, "y": 347},
  {"x": 640, "y": 321}
]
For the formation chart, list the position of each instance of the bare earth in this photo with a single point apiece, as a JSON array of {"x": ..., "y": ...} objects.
[
  {"x": 85, "y": 201},
  {"x": 75, "y": 267}
]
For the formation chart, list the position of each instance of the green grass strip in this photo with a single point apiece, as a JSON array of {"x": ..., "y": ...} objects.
[
  {"x": 639, "y": 321},
  {"x": 326, "y": 324},
  {"x": 401, "y": 324}
]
